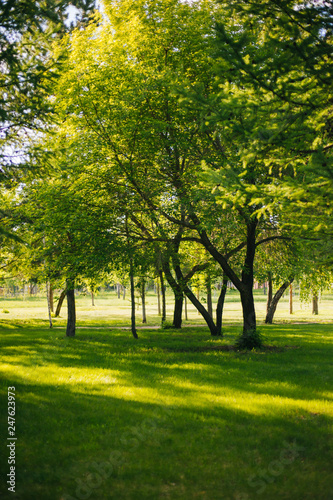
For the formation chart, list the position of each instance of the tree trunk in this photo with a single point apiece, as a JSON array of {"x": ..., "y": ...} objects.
[
  {"x": 185, "y": 289},
  {"x": 158, "y": 298},
  {"x": 203, "y": 311},
  {"x": 60, "y": 302},
  {"x": 178, "y": 294},
  {"x": 220, "y": 305},
  {"x": 71, "y": 314},
  {"x": 135, "y": 335},
  {"x": 178, "y": 310},
  {"x": 118, "y": 290},
  {"x": 185, "y": 308},
  {"x": 249, "y": 314},
  {"x": 92, "y": 298},
  {"x": 315, "y": 304},
  {"x": 48, "y": 302},
  {"x": 51, "y": 297},
  {"x": 275, "y": 300},
  {"x": 245, "y": 285},
  {"x": 270, "y": 292},
  {"x": 290, "y": 299},
  {"x": 143, "y": 301},
  {"x": 124, "y": 292},
  {"x": 209, "y": 296},
  {"x": 163, "y": 296}
]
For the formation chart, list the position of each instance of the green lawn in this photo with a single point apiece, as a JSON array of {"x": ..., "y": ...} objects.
[
  {"x": 174, "y": 415},
  {"x": 111, "y": 311}
]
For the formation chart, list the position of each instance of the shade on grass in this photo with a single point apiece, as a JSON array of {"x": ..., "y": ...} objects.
[{"x": 170, "y": 416}]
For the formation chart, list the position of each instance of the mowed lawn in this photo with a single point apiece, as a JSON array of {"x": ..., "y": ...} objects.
[{"x": 173, "y": 415}]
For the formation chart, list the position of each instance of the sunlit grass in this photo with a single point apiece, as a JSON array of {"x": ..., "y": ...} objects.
[
  {"x": 188, "y": 419},
  {"x": 111, "y": 311}
]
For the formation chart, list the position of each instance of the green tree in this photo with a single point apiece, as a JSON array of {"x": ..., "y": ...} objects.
[{"x": 155, "y": 115}]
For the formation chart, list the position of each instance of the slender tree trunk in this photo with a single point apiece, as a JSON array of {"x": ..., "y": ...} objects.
[
  {"x": 178, "y": 310},
  {"x": 185, "y": 289},
  {"x": 220, "y": 305},
  {"x": 290, "y": 299},
  {"x": 163, "y": 296},
  {"x": 71, "y": 313},
  {"x": 118, "y": 290},
  {"x": 158, "y": 298},
  {"x": 246, "y": 291},
  {"x": 198, "y": 298},
  {"x": 143, "y": 301},
  {"x": 203, "y": 311},
  {"x": 315, "y": 304},
  {"x": 270, "y": 292},
  {"x": 249, "y": 314},
  {"x": 60, "y": 302},
  {"x": 274, "y": 302},
  {"x": 135, "y": 335},
  {"x": 209, "y": 296},
  {"x": 48, "y": 302},
  {"x": 245, "y": 285},
  {"x": 124, "y": 292},
  {"x": 92, "y": 298},
  {"x": 51, "y": 298},
  {"x": 185, "y": 307}
]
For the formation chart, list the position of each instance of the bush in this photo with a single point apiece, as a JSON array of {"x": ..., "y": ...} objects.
[
  {"x": 166, "y": 325},
  {"x": 5, "y": 311},
  {"x": 252, "y": 339}
]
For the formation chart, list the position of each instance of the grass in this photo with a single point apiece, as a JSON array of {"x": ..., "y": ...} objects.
[
  {"x": 111, "y": 311},
  {"x": 174, "y": 415}
]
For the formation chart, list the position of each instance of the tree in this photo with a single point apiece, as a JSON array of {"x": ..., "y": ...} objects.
[
  {"x": 281, "y": 53},
  {"x": 29, "y": 68},
  {"x": 161, "y": 142},
  {"x": 74, "y": 236}
]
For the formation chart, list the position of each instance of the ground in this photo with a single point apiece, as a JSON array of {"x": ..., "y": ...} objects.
[{"x": 174, "y": 415}]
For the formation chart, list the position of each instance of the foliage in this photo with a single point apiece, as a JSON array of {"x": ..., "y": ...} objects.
[
  {"x": 251, "y": 339},
  {"x": 281, "y": 59},
  {"x": 29, "y": 70}
]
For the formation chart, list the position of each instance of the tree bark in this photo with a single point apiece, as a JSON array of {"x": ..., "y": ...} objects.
[
  {"x": 220, "y": 305},
  {"x": 270, "y": 292},
  {"x": 71, "y": 313},
  {"x": 92, "y": 298},
  {"x": 203, "y": 311},
  {"x": 315, "y": 304},
  {"x": 249, "y": 314},
  {"x": 275, "y": 300},
  {"x": 135, "y": 335},
  {"x": 163, "y": 295},
  {"x": 185, "y": 308},
  {"x": 60, "y": 302},
  {"x": 209, "y": 296},
  {"x": 143, "y": 301},
  {"x": 178, "y": 294},
  {"x": 181, "y": 286},
  {"x": 48, "y": 294},
  {"x": 244, "y": 285},
  {"x": 158, "y": 298},
  {"x": 290, "y": 299},
  {"x": 51, "y": 297},
  {"x": 246, "y": 292},
  {"x": 118, "y": 290},
  {"x": 178, "y": 310}
]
